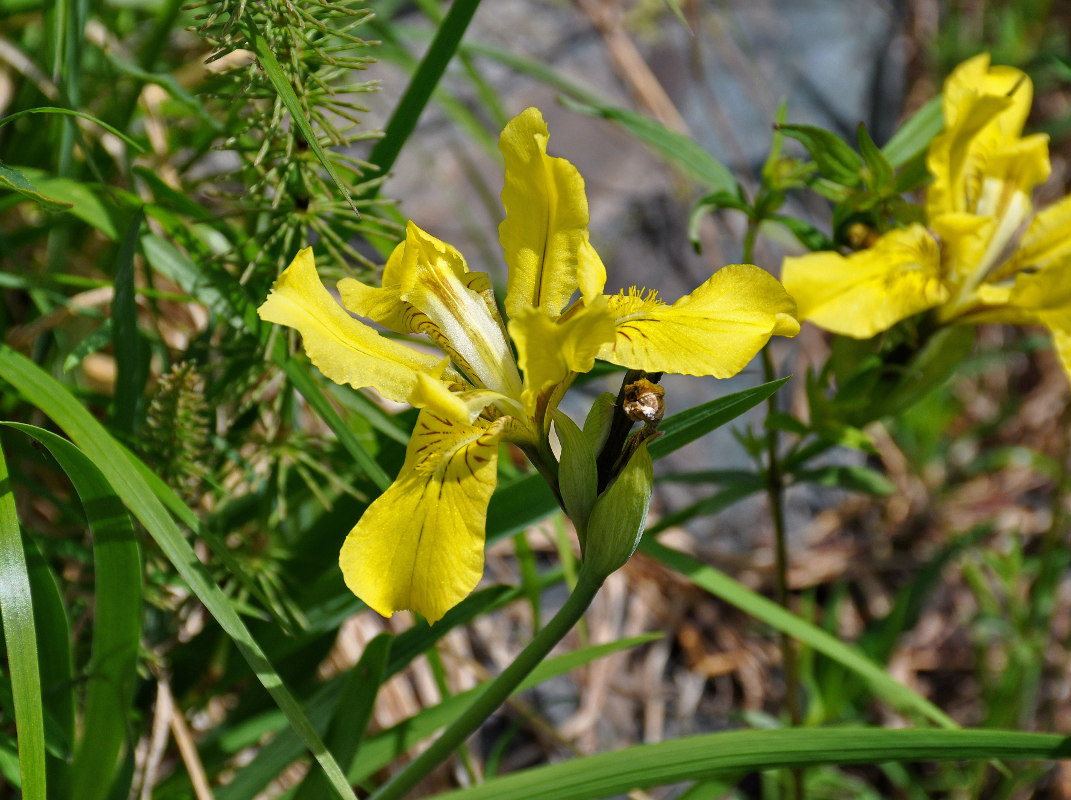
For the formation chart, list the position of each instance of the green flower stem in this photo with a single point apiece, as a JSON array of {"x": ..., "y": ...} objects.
[
  {"x": 775, "y": 490},
  {"x": 587, "y": 585}
]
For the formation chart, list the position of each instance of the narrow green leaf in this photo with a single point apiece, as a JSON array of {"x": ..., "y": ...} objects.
[
  {"x": 387, "y": 745},
  {"x": 881, "y": 171},
  {"x": 16, "y": 612},
  {"x": 807, "y": 234},
  {"x": 721, "y": 585},
  {"x": 352, "y": 713},
  {"x": 53, "y": 399},
  {"x": 14, "y": 179},
  {"x": 290, "y": 99},
  {"x": 54, "y": 661},
  {"x": 126, "y": 338},
  {"x": 112, "y": 668},
  {"x": 403, "y": 121},
  {"x": 716, "y": 754},
  {"x": 679, "y": 150},
  {"x": 835, "y": 157},
  {"x": 854, "y": 477},
  {"x": 914, "y": 136},
  {"x": 71, "y": 113},
  {"x": 687, "y": 426},
  {"x": 675, "y": 7}
]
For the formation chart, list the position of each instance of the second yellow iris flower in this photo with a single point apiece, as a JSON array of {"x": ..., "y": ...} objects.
[{"x": 984, "y": 255}]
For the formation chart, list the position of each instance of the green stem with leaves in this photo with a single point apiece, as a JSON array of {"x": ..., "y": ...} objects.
[
  {"x": 775, "y": 491},
  {"x": 587, "y": 585}
]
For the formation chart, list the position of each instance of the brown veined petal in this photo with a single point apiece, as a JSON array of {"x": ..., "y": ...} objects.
[
  {"x": 546, "y": 219},
  {"x": 345, "y": 350},
  {"x": 436, "y": 282},
  {"x": 420, "y": 544},
  {"x": 716, "y": 330}
]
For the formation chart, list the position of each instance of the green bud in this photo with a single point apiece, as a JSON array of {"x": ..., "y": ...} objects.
[
  {"x": 597, "y": 424},
  {"x": 578, "y": 477},
  {"x": 617, "y": 521}
]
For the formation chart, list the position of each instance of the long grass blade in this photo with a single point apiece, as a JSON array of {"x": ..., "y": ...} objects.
[
  {"x": 53, "y": 399},
  {"x": 716, "y": 754},
  {"x": 404, "y": 119},
  {"x": 16, "y": 611},
  {"x": 721, "y": 585},
  {"x": 112, "y": 670}
]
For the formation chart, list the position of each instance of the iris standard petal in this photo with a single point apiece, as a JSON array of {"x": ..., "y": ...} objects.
[
  {"x": 984, "y": 110},
  {"x": 546, "y": 219},
  {"x": 548, "y": 350},
  {"x": 716, "y": 330},
  {"x": 867, "y": 292},
  {"x": 420, "y": 544},
  {"x": 344, "y": 349}
]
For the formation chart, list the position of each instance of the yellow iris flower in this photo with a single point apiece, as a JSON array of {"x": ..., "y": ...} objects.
[
  {"x": 984, "y": 256},
  {"x": 420, "y": 544}
]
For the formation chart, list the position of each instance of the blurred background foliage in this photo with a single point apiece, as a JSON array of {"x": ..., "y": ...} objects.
[{"x": 139, "y": 233}]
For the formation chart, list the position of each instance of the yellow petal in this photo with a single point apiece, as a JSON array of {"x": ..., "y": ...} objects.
[
  {"x": 462, "y": 406},
  {"x": 344, "y": 349},
  {"x": 870, "y": 291},
  {"x": 546, "y": 219},
  {"x": 591, "y": 272},
  {"x": 420, "y": 544},
  {"x": 1061, "y": 340},
  {"x": 1046, "y": 243},
  {"x": 716, "y": 330},
  {"x": 549, "y": 350},
  {"x": 984, "y": 109},
  {"x": 383, "y": 305},
  {"x": 975, "y": 77}
]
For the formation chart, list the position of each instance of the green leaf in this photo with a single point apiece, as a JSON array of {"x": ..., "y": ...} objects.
[
  {"x": 855, "y": 478},
  {"x": 716, "y": 754},
  {"x": 20, "y": 637},
  {"x": 13, "y": 179},
  {"x": 914, "y": 136},
  {"x": 290, "y": 99},
  {"x": 881, "y": 171},
  {"x": 835, "y": 157},
  {"x": 352, "y": 714},
  {"x": 53, "y": 399},
  {"x": 721, "y": 585},
  {"x": 687, "y": 426},
  {"x": 677, "y": 149},
  {"x": 126, "y": 338},
  {"x": 403, "y": 121},
  {"x": 709, "y": 204},
  {"x": 807, "y": 234},
  {"x": 71, "y": 113},
  {"x": 56, "y": 667},
  {"x": 112, "y": 669}
]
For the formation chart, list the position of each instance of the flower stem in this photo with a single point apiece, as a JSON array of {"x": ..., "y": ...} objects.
[
  {"x": 587, "y": 585},
  {"x": 775, "y": 491}
]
